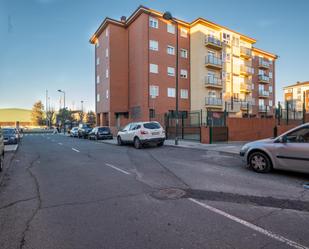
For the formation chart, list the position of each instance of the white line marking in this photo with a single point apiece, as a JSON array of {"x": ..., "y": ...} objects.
[
  {"x": 114, "y": 167},
  {"x": 251, "y": 226},
  {"x": 60, "y": 143},
  {"x": 75, "y": 150}
]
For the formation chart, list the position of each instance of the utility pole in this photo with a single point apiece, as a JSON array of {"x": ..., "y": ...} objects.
[{"x": 46, "y": 109}]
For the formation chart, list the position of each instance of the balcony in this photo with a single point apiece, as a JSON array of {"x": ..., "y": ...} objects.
[
  {"x": 244, "y": 105},
  {"x": 263, "y": 94},
  {"x": 213, "y": 62},
  {"x": 247, "y": 88},
  {"x": 213, "y": 42},
  {"x": 264, "y": 64},
  {"x": 245, "y": 52},
  {"x": 213, "y": 102},
  {"x": 264, "y": 79},
  {"x": 213, "y": 82},
  {"x": 246, "y": 70}
]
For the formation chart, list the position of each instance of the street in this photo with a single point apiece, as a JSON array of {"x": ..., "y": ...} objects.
[{"x": 62, "y": 192}]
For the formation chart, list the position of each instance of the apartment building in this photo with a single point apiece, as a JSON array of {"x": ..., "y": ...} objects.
[
  {"x": 228, "y": 73},
  {"x": 297, "y": 94},
  {"x": 218, "y": 69},
  {"x": 136, "y": 67}
]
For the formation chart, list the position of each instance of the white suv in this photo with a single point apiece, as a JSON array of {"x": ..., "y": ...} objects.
[{"x": 141, "y": 133}]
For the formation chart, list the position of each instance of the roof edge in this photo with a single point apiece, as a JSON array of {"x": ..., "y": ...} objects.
[{"x": 258, "y": 50}]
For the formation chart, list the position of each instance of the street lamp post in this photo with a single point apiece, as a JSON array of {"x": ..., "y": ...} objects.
[
  {"x": 168, "y": 16},
  {"x": 61, "y": 91}
]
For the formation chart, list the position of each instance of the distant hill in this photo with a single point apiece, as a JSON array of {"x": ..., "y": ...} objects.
[{"x": 15, "y": 114}]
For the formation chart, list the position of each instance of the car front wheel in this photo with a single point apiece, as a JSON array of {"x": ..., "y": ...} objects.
[
  {"x": 260, "y": 162},
  {"x": 119, "y": 141}
]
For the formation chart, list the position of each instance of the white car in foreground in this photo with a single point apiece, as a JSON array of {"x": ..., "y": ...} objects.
[{"x": 141, "y": 133}]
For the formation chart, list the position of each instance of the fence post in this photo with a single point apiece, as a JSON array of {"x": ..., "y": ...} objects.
[
  {"x": 287, "y": 111},
  {"x": 182, "y": 126},
  {"x": 224, "y": 114},
  {"x": 248, "y": 109},
  {"x": 210, "y": 134},
  {"x": 304, "y": 108}
]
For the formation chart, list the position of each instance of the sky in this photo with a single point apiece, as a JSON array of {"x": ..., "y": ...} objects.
[{"x": 44, "y": 43}]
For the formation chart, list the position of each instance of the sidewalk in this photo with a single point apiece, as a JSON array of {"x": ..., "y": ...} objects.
[{"x": 230, "y": 148}]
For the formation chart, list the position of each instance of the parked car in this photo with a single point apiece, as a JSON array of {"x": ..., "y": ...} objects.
[
  {"x": 100, "y": 133},
  {"x": 1, "y": 150},
  {"x": 10, "y": 136},
  {"x": 74, "y": 132},
  {"x": 83, "y": 130},
  {"x": 289, "y": 151},
  {"x": 142, "y": 133}
]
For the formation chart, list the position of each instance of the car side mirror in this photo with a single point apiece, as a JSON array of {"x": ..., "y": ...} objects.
[{"x": 283, "y": 139}]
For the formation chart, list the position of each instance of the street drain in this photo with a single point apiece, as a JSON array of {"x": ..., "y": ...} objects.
[
  {"x": 169, "y": 194},
  {"x": 306, "y": 185}
]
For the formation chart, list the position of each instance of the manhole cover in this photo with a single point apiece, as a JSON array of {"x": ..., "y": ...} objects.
[
  {"x": 169, "y": 194},
  {"x": 306, "y": 185}
]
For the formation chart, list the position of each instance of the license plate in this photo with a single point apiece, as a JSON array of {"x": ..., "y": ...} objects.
[{"x": 155, "y": 133}]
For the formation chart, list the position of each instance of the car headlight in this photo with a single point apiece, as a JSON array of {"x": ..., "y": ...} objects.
[{"x": 245, "y": 148}]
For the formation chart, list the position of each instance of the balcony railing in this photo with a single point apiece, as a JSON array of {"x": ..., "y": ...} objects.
[
  {"x": 213, "y": 42},
  {"x": 264, "y": 78},
  {"x": 263, "y": 93},
  {"x": 264, "y": 63},
  {"x": 213, "y": 81},
  {"x": 246, "y": 87},
  {"x": 213, "y": 60},
  {"x": 264, "y": 108},
  {"x": 244, "y": 69},
  {"x": 247, "y": 52},
  {"x": 213, "y": 101}
]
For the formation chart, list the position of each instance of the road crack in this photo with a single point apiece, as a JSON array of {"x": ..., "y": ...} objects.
[
  {"x": 38, "y": 197},
  {"x": 16, "y": 202}
]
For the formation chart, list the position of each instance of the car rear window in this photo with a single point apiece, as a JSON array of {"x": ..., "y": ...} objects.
[
  {"x": 152, "y": 126},
  {"x": 8, "y": 131},
  {"x": 104, "y": 129}
]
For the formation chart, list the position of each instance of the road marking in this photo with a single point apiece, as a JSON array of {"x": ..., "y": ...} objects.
[
  {"x": 251, "y": 226},
  {"x": 60, "y": 143},
  {"x": 75, "y": 150},
  {"x": 114, "y": 167}
]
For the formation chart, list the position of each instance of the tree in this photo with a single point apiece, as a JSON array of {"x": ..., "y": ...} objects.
[
  {"x": 37, "y": 113},
  {"x": 50, "y": 117},
  {"x": 91, "y": 118},
  {"x": 81, "y": 115}
]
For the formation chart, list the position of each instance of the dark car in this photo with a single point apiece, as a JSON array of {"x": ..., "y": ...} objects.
[
  {"x": 10, "y": 136},
  {"x": 100, "y": 133},
  {"x": 84, "y": 130},
  {"x": 1, "y": 150}
]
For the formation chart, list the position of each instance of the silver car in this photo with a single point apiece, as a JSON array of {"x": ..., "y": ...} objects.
[{"x": 289, "y": 151}]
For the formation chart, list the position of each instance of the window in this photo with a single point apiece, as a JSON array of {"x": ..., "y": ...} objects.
[
  {"x": 153, "y": 45},
  {"x": 107, "y": 94},
  {"x": 170, "y": 71},
  {"x": 170, "y": 50},
  {"x": 152, "y": 125},
  {"x": 97, "y": 43},
  {"x": 270, "y": 103},
  {"x": 153, "y": 91},
  {"x": 299, "y": 136},
  {"x": 98, "y": 79},
  {"x": 183, "y": 73},
  {"x": 171, "y": 92},
  {"x": 153, "y": 22},
  {"x": 183, "y": 32},
  {"x": 261, "y": 102},
  {"x": 226, "y": 38},
  {"x": 270, "y": 75},
  {"x": 226, "y": 56},
  {"x": 153, "y": 68},
  {"x": 171, "y": 28},
  {"x": 261, "y": 72},
  {"x": 98, "y": 97},
  {"x": 270, "y": 89},
  {"x": 106, "y": 73},
  {"x": 106, "y": 32},
  {"x": 184, "y": 93},
  {"x": 106, "y": 53},
  {"x": 184, "y": 53},
  {"x": 98, "y": 60},
  {"x": 299, "y": 90}
]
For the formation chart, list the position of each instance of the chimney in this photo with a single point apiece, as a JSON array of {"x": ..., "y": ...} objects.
[{"x": 123, "y": 19}]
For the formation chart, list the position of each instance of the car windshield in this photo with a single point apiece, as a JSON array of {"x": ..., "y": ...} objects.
[
  {"x": 104, "y": 129},
  {"x": 8, "y": 131},
  {"x": 152, "y": 125}
]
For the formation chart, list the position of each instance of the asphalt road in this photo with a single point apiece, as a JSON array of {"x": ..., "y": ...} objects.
[{"x": 61, "y": 192}]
